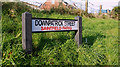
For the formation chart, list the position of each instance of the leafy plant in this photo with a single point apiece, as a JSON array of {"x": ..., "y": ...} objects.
[{"x": 100, "y": 41}]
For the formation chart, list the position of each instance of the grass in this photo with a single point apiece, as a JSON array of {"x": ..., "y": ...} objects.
[
  {"x": 0, "y": 43},
  {"x": 59, "y": 48}
]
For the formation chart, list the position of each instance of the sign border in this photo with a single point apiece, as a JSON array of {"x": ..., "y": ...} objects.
[
  {"x": 54, "y": 30},
  {"x": 55, "y": 19}
]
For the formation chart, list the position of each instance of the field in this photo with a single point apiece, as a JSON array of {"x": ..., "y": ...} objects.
[{"x": 100, "y": 40}]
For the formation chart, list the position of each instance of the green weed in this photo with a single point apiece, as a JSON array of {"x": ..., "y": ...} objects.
[{"x": 100, "y": 41}]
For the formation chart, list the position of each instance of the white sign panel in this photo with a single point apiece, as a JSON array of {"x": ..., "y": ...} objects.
[{"x": 39, "y": 25}]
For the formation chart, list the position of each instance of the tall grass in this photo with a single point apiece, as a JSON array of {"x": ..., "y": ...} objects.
[{"x": 100, "y": 41}]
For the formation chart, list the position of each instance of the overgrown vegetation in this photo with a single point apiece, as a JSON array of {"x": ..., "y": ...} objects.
[
  {"x": 69, "y": 10},
  {"x": 100, "y": 40},
  {"x": 115, "y": 12}
]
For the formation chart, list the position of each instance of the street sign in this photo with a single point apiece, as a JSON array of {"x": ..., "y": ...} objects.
[
  {"x": 44, "y": 24},
  {"x": 37, "y": 25}
]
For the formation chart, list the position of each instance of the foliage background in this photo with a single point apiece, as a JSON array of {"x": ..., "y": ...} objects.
[{"x": 58, "y": 48}]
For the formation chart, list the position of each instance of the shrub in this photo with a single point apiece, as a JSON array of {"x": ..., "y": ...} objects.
[
  {"x": 66, "y": 10},
  {"x": 115, "y": 12}
]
